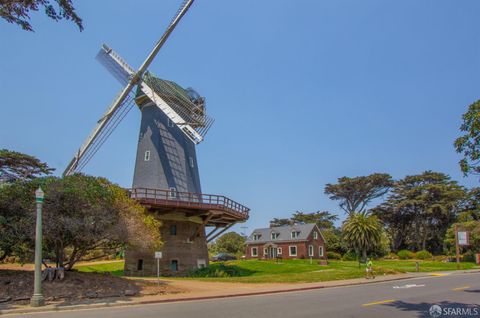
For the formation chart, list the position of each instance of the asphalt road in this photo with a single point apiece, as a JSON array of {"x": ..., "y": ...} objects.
[{"x": 454, "y": 293}]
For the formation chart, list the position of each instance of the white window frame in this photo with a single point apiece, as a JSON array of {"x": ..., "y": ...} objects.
[
  {"x": 310, "y": 251},
  {"x": 256, "y": 237},
  {"x": 320, "y": 251},
  {"x": 256, "y": 251},
  {"x": 294, "y": 234},
  {"x": 279, "y": 251},
  {"x": 290, "y": 250},
  {"x": 274, "y": 235},
  {"x": 172, "y": 193},
  {"x": 265, "y": 251},
  {"x": 146, "y": 157},
  {"x": 190, "y": 160},
  {"x": 315, "y": 235}
]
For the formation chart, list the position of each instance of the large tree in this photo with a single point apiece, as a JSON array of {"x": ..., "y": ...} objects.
[
  {"x": 19, "y": 166},
  {"x": 354, "y": 194},
  {"x": 323, "y": 219},
  {"x": 419, "y": 210},
  {"x": 362, "y": 232},
  {"x": 82, "y": 214},
  {"x": 230, "y": 242},
  {"x": 18, "y": 11},
  {"x": 469, "y": 143}
]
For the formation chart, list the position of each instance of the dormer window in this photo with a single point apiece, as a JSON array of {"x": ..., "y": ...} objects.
[
  {"x": 295, "y": 234},
  {"x": 275, "y": 235},
  {"x": 256, "y": 237}
]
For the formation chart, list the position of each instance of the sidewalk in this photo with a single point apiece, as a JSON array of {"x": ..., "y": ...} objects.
[{"x": 198, "y": 290}]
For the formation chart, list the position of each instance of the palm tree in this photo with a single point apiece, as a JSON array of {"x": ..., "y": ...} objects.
[{"x": 362, "y": 231}]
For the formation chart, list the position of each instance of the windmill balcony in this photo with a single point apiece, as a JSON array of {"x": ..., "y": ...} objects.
[{"x": 167, "y": 199}]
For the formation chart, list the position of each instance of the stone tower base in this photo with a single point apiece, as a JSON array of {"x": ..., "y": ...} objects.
[{"x": 180, "y": 251}]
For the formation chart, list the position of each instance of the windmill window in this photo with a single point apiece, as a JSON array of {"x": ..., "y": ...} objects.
[
  {"x": 174, "y": 265},
  {"x": 173, "y": 229},
  {"x": 191, "y": 162},
  {"x": 170, "y": 123},
  {"x": 172, "y": 193},
  {"x": 140, "y": 265},
  {"x": 147, "y": 155}
]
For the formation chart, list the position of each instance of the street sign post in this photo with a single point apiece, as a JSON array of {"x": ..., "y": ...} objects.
[
  {"x": 158, "y": 256},
  {"x": 462, "y": 238}
]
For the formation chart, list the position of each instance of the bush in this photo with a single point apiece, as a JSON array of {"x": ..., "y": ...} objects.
[
  {"x": 219, "y": 270},
  {"x": 349, "y": 256},
  {"x": 405, "y": 254},
  {"x": 333, "y": 255},
  {"x": 468, "y": 257},
  {"x": 391, "y": 256},
  {"x": 423, "y": 254}
]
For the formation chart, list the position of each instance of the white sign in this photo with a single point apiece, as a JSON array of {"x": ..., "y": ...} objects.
[
  {"x": 462, "y": 238},
  {"x": 158, "y": 254}
]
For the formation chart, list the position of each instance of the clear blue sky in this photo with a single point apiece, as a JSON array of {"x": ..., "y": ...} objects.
[{"x": 303, "y": 92}]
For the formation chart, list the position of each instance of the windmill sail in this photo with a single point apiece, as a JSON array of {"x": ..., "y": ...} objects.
[{"x": 122, "y": 103}]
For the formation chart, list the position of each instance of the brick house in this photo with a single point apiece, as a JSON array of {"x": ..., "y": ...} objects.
[{"x": 287, "y": 242}]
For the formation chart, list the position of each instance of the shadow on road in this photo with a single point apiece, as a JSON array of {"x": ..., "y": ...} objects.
[{"x": 422, "y": 310}]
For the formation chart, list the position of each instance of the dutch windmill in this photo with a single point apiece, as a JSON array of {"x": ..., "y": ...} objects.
[{"x": 166, "y": 178}]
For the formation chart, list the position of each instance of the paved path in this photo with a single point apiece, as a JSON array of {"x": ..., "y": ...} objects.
[{"x": 406, "y": 298}]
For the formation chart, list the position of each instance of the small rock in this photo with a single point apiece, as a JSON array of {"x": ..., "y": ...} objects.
[
  {"x": 91, "y": 294},
  {"x": 5, "y": 300},
  {"x": 129, "y": 292}
]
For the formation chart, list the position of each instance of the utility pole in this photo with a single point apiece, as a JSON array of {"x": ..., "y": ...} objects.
[{"x": 37, "y": 299}]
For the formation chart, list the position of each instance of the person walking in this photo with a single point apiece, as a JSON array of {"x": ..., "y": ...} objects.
[{"x": 369, "y": 270}]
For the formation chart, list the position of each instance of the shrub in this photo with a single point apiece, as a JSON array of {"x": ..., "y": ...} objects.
[
  {"x": 405, "y": 254},
  {"x": 219, "y": 270},
  {"x": 423, "y": 254},
  {"x": 349, "y": 256},
  {"x": 469, "y": 256},
  {"x": 391, "y": 256},
  {"x": 333, "y": 255}
]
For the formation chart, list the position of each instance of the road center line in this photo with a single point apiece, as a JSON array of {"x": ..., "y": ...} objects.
[
  {"x": 461, "y": 288},
  {"x": 379, "y": 302}
]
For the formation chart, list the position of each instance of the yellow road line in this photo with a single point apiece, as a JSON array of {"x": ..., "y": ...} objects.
[
  {"x": 461, "y": 288},
  {"x": 438, "y": 274},
  {"x": 379, "y": 302}
]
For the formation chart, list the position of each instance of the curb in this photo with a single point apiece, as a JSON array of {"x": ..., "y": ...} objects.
[{"x": 171, "y": 300}]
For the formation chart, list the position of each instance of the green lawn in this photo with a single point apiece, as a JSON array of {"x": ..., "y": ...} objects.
[{"x": 255, "y": 271}]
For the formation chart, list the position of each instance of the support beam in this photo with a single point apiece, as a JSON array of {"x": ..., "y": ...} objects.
[
  {"x": 201, "y": 227},
  {"x": 219, "y": 233}
]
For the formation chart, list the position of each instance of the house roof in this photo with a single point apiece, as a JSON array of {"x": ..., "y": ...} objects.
[{"x": 284, "y": 233}]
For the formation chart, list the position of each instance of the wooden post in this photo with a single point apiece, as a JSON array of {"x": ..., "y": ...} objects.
[{"x": 457, "y": 249}]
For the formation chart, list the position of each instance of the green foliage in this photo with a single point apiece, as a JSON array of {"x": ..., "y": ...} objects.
[
  {"x": 419, "y": 210},
  {"x": 19, "y": 166},
  {"x": 333, "y": 240},
  {"x": 405, "y": 254},
  {"x": 81, "y": 214},
  {"x": 323, "y": 219},
  {"x": 350, "y": 256},
  {"x": 231, "y": 242},
  {"x": 423, "y": 254},
  {"x": 333, "y": 255},
  {"x": 17, "y": 11},
  {"x": 356, "y": 193},
  {"x": 362, "y": 232},
  {"x": 468, "y": 144},
  {"x": 219, "y": 270}
]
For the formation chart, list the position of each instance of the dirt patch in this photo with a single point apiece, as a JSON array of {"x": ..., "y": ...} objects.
[{"x": 16, "y": 288}]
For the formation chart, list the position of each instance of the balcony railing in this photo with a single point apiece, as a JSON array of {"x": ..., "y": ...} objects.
[{"x": 189, "y": 199}]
